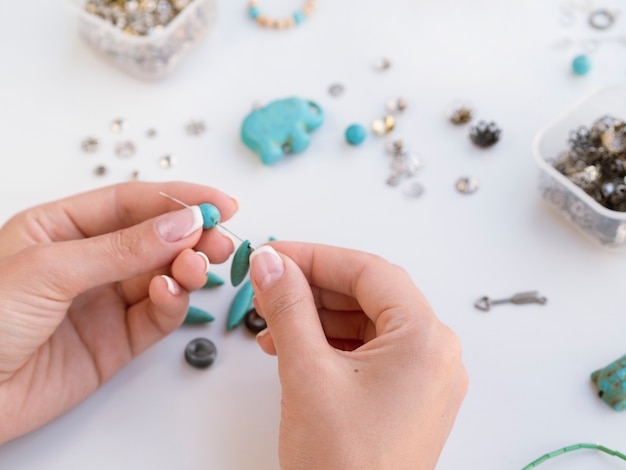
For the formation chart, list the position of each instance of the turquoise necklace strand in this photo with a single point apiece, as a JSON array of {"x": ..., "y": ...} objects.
[{"x": 564, "y": 450}]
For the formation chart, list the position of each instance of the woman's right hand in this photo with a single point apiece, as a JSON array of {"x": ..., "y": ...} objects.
[{"x": 371, "y": 379}]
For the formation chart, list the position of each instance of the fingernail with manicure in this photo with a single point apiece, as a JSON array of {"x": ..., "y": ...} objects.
[
  {"x": 177, "y": 225},
  {"x": 266, "y": 267},
  {"x": 207, "y": 263},
  {"x": 172, "y": 286}
]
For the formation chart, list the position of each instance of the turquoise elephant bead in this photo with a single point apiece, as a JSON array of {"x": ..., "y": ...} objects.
[
  {"x": 241, "y": 263},
  {"x": 240, "y": 306},
  {"x": 611, "y": 383},
  {"x": 196, "y": 315},
  {"x": 210, "y": 215},
  {"x": 281, "y": 127}
]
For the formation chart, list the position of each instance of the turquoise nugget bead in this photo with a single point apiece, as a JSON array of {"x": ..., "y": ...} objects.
[
  {"x": 210, "y": 214},
  {"x": 611, "y": 383},
  {"x": 253, "y": 12},
  {"x": 240, "y": 306},
  {"x": 581, "y": 64},
  {"x": 298, "y": 17},
  {"x": 241, "y": 263},
  {"x": 355, "y": 134},
  {"x": 196, "y": 315}
]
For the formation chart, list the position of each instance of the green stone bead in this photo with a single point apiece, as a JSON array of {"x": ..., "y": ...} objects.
[
  {"x": 240, "y": 305},
  {"x": 196, "y": 315},
  {"x": 213, "y": 280},
  {"x": 241, "y": 263}
]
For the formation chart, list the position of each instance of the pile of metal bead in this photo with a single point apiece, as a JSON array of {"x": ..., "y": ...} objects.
[
  {"x": 137, "y": 17},
  {"x": 596, "y": 161}
]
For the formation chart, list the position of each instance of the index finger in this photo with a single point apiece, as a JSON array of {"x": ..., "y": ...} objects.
[
  {"x": 123, "y": 205},
  {"x": 384, "y": 291}
]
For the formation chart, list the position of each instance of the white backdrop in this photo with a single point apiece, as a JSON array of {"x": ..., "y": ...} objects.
[{"x": 529, "y": 366}]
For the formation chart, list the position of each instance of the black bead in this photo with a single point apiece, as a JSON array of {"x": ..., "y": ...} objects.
[
  {"x": 485, "y": 134},
  {"x": 200, "y": 353},
  {"x": 254, "y": 322}
]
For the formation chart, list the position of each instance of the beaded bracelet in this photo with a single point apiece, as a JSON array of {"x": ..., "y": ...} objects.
[{"x": 284, "y": 23}]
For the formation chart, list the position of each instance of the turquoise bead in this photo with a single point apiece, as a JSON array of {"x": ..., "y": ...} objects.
[
  {"x": 240, "y": 305},
  {"x": 196, "y": 315},
  {"x": 581, "y": 65},
  {"x": 355, "y": 134},
  {"x": 213, "y": 280},
  {"x": 298, "y": 17},
  {"x": 210, "y": 215},
  {"x": 241, "y": 263},
  {"x": 611, "y": 384},
  {"x": 253, "y": 12}
]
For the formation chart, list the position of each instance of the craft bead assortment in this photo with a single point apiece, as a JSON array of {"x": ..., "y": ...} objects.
[{"x": 295, "y": 19}]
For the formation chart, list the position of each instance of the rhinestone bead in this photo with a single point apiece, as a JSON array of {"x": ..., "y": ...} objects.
[
  {"x": 467, "y": 185},
  {"x": 167, "y": 161},
  {"x": 125, "y": 149},
  {"x": 118, "y": 125},
  {"x": 413, "y": 189},
  {"x": 382, "y": 64}
]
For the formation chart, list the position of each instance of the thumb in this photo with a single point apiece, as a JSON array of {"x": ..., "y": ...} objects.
[
  {"x": 78, "y": 265},
  {"x": 286, "y": 301}
]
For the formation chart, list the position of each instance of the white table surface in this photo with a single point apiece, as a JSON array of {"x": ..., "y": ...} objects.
[{"x": 529, "y": 366}]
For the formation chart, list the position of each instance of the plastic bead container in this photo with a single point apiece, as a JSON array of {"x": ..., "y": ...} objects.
[
  {"x": 150, "y": 56},
  {"x": 606, "y": 226}
]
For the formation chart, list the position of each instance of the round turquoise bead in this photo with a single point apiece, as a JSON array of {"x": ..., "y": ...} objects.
[
  {"x": 355, "y": 134},
  {"x": 210, "y": 215},
  {"x": 253, "y": 12},
  {"x": 581, "y": 64},
  {"x": 298, "y": 17}
]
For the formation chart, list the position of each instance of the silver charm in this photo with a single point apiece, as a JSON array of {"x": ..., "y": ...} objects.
[
  {"x": 485, "y": 303},
  {"x": 90, "y": 145},
  {"x": 336, "y": 89},
  {"x": 467, "y": 185},
  {"x": 195, "y": 128},
  {"x": 125, "y": 149}
]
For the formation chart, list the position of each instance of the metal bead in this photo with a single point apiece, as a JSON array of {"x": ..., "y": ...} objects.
[
  {"x": 485, "y": 134},
  {"x": 383, "y": 126},
  {"x": 396, "y": 105},
  {"x": 394, "y": 147},
  {"x": 151, "y": 133},
  {"x": 461, "y": 115},
  {"x": 467, "y": 185},
  {"x": 601, "y": 19},
  {"x": 125, "y": 149},
  {"x": 100, "y": 170},
  {"x": 393, "y": 180}
]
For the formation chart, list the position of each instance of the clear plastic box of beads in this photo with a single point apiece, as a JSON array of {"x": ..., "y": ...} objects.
[
  {"x": 146, "y": 38},
  {"x": 582, "y": 158}
]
